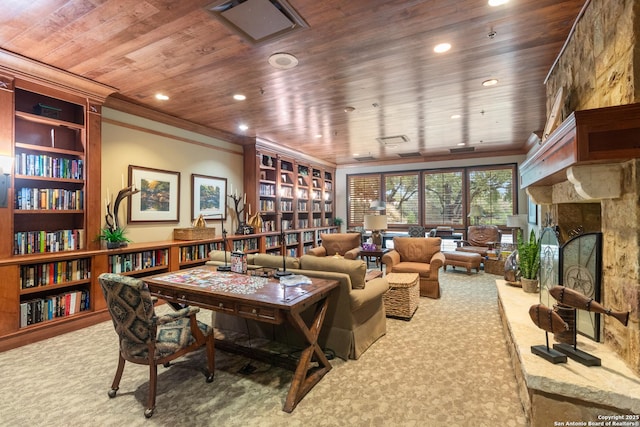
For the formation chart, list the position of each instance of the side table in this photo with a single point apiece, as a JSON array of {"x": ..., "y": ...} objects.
[{"x": 377, "y": 254}]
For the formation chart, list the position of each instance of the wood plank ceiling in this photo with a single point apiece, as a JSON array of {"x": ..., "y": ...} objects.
[{"x": 375, "y": 56}]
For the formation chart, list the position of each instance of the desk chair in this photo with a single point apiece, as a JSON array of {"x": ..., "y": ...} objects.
[{"x": 147, "y": 339}]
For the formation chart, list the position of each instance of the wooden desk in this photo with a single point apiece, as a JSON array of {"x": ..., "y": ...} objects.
[{"x": 259, "y": 299}]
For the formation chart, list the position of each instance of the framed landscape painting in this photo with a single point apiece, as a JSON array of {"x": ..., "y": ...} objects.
[
  {"x": 208, "y": 197},
  {"x": 159, "y": 196}
]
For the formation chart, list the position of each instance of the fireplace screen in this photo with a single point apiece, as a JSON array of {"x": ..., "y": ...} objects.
[
  {"x": 549, "y": 265},
  {"x": 581, "y": 270}
]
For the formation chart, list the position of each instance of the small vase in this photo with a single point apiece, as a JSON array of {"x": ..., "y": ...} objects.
[{"x": 529, "y": 285}]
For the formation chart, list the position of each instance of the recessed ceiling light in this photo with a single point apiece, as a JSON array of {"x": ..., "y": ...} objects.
[
  {"x": 455, "y": 116},
  {"x": 239, "y": 97},
  {"x": 161, "y": 97},
  {"x": 497, "y": 2},
  {"x": 318, "y": 135},
  {"x": 283, "y": 61},
  {"x": 490, "y": 82},
  {"x": 461, "y": 144},
  {"x": 243, "y": 127},
  {"x": 349, "y": 109},
  {"x": 442, "y": 47}
]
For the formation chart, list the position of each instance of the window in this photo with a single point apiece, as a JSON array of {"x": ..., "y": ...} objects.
[
  {"x": 363, "y": 189},
  {"x": 401, "y": 192},
  {"x": 435, "y": 197},
  {"x": 492, "y": 190},
  {"x": 443, "y": 198}
]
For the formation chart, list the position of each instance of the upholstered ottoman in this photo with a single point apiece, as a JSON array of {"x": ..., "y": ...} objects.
[
  {"x": 467, "y": 260},
  {"x": 401, "y": 300}
]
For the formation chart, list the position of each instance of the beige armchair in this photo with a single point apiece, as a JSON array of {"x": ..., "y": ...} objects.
[
  {"x": 343, "y": 244},
  {"x": 417, "y": 255},
  {"x": 479, "y": 238}
]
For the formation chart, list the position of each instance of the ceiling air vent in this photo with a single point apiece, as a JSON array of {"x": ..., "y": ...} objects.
[
  {"x": 462, "y": 150},
  {"x": 407, "y": 155},
  {"x": 393, "y": 140},
  {"x": 365, "y": 158},
  {"x": 258, "y": 20}
]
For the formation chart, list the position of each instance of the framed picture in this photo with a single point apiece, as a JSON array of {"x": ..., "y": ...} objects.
[
  {"x": 159, "y": 196},
  {"x": 533, "y": 212},
  {"x": 208, "y": 196}
]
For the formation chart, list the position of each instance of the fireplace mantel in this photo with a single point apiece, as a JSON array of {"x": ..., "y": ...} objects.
[{"x": 583, "y": 141}]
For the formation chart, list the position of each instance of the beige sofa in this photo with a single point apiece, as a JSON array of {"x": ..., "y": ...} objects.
[{"x": 356, "y": 317}]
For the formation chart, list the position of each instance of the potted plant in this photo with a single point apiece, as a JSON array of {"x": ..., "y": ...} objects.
[
  {"x": 114, "y": 237},
  {"x": 529, "y": 261},
  {"x": 338, "y": 223}
]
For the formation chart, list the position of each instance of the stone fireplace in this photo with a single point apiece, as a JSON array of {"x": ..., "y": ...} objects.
[{"x": 597, "y": 186}]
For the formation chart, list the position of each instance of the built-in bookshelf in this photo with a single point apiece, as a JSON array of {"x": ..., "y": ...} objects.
[
  {"x": 53, "y": 212},
  {"x": 54, "y": 290},
  {"x": 49, "y": 173},
  {"x": 292, "y": 195}
]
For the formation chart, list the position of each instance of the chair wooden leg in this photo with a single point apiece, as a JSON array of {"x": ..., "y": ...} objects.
[
  {"x": 116, "y": 380},
  {"x": 153, "y": 382}
]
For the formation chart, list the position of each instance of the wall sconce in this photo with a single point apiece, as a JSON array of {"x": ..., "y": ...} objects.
[
  {"x": 6, "y": 163},
  {"x": 475, "y": 213},
  {"x": 375, "y": 223}
]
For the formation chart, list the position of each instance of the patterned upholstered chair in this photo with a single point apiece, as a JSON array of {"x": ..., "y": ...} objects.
[
  {"x": 147, "y": 339},
  {"x": 417, "y": 231}
]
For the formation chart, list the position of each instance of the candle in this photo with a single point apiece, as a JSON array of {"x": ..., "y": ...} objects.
[
  {"x": 249, "y": 209},
  {"x": 244, "y": 201}
]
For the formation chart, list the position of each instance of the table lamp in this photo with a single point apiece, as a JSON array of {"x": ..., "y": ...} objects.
[
  {"x": 475, "y": 213},
  {"x": 375, "y": 223},
  {"x": 516, "y": 222}
]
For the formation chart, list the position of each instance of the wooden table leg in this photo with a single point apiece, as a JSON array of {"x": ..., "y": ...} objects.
[{"x": 304, "y": 377}]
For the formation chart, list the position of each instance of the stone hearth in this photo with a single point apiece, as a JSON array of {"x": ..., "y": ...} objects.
[{"x": 555, "y": 395}]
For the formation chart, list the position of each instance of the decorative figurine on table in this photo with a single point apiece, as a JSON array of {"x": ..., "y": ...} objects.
[
  {"x": 111, "y": 218},
  {"x": 243, "y": 227}
]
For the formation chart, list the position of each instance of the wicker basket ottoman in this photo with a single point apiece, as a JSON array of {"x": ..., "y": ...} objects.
[{"x": 401, "y": 300}]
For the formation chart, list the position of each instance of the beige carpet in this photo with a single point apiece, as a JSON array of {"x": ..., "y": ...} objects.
[{"x": 448, "y": 366}]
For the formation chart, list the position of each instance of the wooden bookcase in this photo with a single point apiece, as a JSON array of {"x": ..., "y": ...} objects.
[
  {"x": 50, "y": 124},
  {"x": 293, "y": 195}
]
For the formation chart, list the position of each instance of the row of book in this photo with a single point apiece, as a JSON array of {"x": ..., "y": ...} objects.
[
  {"x": 54, "y": 272},
  {"x": 267, "y": 205},
  {"x": 245, "y": 245},
  {"x": 195, "y": 252},
  {"x": 53, "y": 307},
  {"x": 135, "y": 261},
  {"x": 50, "y": 167},
  {"x": 35, "y": 242},
  {"x": 49, "y": 198},
  {"x": 267, "y": 190}
]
